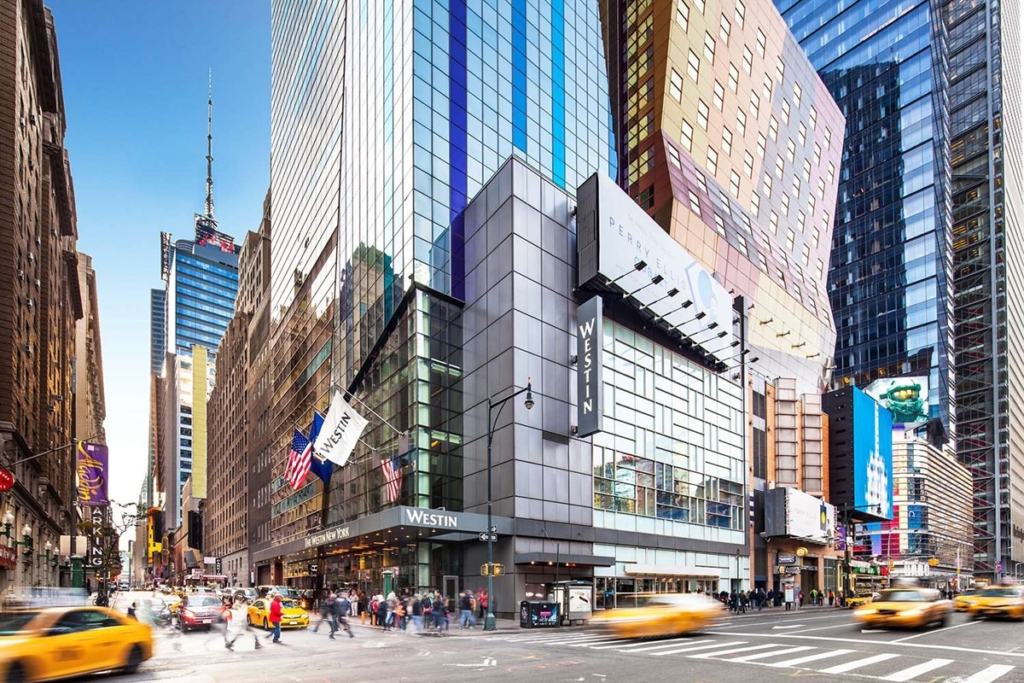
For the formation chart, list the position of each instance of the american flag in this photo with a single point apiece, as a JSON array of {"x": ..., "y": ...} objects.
[
  {"x": 299, "y": 459},
  {"x": 392, "y": 478}
]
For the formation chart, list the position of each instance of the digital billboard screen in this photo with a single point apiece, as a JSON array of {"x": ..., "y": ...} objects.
[
  {"x": 872, "y": 456},
  {"x": 906, "y": 397}
]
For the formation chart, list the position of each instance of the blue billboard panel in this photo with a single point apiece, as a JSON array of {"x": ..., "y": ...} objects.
[{"x": 872, "y": 456}]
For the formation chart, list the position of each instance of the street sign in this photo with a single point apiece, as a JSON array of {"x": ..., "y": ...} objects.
[{"x": 484, "y": 537}]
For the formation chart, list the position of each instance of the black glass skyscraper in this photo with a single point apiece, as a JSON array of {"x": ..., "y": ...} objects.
[{"x": 890, "y": 278}]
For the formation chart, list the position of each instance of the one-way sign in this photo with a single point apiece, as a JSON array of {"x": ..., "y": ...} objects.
[{"x": 485, "y": 537}]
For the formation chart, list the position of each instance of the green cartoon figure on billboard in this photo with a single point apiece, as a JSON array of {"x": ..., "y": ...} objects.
[{"x": 906, "y": 397}]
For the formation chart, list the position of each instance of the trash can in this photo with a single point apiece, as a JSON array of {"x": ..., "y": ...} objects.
[{"x": 538, "y": 614}]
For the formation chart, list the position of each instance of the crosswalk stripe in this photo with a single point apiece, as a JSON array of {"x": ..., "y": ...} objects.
[
  {"x": 857, "y": 664},
  {"x": 575, "y": 641},
  {"x": 642, "y": 643},
  {"x": 690, "y": 649},
  {"x": 602, "y": 643},
  {"x": 990, "y": 674},
  {"x": 765, "y": 655},
  {"x": 810, "y": 658},
  {"x": 719, "y": 653},
  {"x": 915, "y": 671},
  {"x": 552, "y": 637}
]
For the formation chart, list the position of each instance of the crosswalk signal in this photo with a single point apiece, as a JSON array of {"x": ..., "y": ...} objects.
[{"x": 492, "y": 569}]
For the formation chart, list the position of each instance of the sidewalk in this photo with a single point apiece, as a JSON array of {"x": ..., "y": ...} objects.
[{"x": 504, "y": 626}]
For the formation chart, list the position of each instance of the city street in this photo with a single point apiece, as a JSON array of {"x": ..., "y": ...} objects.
[{"x": 823, "y": 643}]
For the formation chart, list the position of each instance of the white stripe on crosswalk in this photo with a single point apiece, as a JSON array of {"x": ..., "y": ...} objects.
[
  {"x": 915, "y": 671},
  {"x": 604, "y": 643},
  {"x": 765, "y": 655},
  {"x": 690, "y": 649},
  {"x": 554, "y": 637},
  {"x": 719, "y": 653},
  {"x": 605, "y": 646},
  {"x": 810, "y": 658},
  {"x": 576, "y": 641},
  {"x": 857, "y": 664},
  {"x": 990, "y": 674}
]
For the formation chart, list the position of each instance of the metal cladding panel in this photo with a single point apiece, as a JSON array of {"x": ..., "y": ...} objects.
[{"x": 586, "y": 231}]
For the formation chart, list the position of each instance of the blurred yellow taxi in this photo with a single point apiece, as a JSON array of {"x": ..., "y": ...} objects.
[
  {"x": 860, "y": 599},
  {"x": 59, "y": 642},
  {"x": 664, "y": 614},
  {"x": 999, "y": 601},
  {"x": 292, "y": 616},
  {"x": 963, "y": 602},
  {"x": 905, "y": 608}
]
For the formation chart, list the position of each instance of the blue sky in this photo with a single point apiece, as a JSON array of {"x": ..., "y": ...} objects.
[{"x": 135, "y": 84}]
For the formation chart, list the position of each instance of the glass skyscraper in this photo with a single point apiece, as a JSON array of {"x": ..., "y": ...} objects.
[
  {"x": 201, "y": 288},
  {"x": 890, "y": 282}
]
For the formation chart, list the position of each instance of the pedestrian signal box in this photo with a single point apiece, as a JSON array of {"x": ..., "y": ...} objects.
[{"x": 492, "y": 569}]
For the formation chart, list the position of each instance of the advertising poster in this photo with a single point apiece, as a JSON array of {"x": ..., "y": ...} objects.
[
  {"x": 905, "y": 397},
  {"x": 872, "y": 456},
  {"x": 92, "y": 460}
]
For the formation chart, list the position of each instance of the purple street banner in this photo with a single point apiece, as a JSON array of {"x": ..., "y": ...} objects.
[{"x": 92, "y": 474}]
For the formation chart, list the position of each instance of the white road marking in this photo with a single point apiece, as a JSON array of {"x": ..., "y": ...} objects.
[
  {"x": 604, "y": 643},
  {"x": 988, "y": 675},
  {"x": 578, "y": 641},
  {"x": 765, "y": 655},
  {"x": 776, "y": 628},
  {"x": 719, "y": 653},
  {"x": 691, "y": 649},
  {"x": 555, "y": 637},
  {"x": 858, "y": 664},
  {"x": 776, "y": 620},
  {"x": 862, "y": 641},
  {"x": 915, "y": 671},
  {"x": 938, "y": 630},
  {"x": 605, "y": 646},
  {"x": 810, "y": 658}
]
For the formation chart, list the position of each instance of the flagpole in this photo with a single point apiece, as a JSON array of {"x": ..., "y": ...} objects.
[{"x": 352, "y": 395}]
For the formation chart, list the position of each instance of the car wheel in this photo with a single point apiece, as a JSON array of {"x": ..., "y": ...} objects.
[
  {"x": 266, "y": 626},
  {"x": 17, "y": 674},
  {"x": 134, "y": 660},
  {"x": 248, "y": 621},
  {"x": 944, "y": 621}
]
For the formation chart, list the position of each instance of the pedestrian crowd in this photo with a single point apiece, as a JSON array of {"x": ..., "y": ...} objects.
[
  {"x": 758, "y": 599},
  {"x": 398, "y": 612}
]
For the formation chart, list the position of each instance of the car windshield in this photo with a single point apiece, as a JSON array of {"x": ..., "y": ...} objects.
[
  {"x": 203, "y": 601},
  {"x": 288, "y": 604},
  {"x": 903, "y": 596},
  {"x": 972, "y": 591},
  {"x": 1000, "y": 593},
  {"x": 12, "y": 622}
]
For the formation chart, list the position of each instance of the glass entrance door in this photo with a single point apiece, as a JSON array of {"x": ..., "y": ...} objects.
[{"x": 450, "y": 588}]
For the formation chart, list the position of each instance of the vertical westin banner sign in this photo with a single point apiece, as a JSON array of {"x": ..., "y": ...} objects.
[
  {"x": 589, "y": 363},
  {"x": 92, "y": 474}
]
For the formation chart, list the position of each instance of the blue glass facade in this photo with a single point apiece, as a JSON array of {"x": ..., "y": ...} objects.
[
  {"x": 204, "y": 282},
  {"x": 884, "y": 61}
]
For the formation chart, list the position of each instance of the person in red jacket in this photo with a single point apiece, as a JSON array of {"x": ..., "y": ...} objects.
[{"x": 275, "y": 616}]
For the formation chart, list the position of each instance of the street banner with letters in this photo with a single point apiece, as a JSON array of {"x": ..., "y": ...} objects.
[
  {"x": 340, "y": 431},
  {"x": 92, "y": 474}
]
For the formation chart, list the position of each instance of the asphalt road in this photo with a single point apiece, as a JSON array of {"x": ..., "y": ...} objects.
[{"x": 819, "y": 644}]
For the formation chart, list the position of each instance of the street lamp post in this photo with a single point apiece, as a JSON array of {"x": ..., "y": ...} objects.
[{"x": 490, "y": 623}]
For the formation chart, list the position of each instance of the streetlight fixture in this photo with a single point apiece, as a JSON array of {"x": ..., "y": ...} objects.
[{"x": 490, "y": 624}]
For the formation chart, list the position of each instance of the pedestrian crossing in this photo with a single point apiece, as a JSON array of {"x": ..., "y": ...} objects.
[{"x": 885, "y": 666}]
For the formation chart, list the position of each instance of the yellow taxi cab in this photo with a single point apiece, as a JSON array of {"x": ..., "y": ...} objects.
[
  {"x": 860, "y": 599},
  {"x": 963, "y": 602},
  {"x": 60, "y": 642},
  {"x": 663, "y": 614},
  {"x": 999, "y": 601},
  {"x": 905, "y": 608},
  {"x": 292, "y": 616}
]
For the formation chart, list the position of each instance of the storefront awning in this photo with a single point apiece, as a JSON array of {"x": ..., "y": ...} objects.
[
  {"x": 213, "y": 577},
  {"x": 563, "y": 559},
  {"x": 673, "y": 571}
]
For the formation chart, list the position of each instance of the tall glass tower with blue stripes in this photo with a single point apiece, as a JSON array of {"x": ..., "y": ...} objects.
[{"x": 387, "y": 118}]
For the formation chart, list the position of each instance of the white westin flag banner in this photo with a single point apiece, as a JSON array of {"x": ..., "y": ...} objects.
[{"x": 340, "y": 431}]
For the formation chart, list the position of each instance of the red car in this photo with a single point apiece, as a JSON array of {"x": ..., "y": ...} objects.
[{"x": 201, "y": 611}]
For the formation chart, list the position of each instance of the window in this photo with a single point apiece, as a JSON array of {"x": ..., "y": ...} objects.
[
  {"x": 726, "y": 204},
  {"x": 798, "y": 94},
  {"x": 694, "y": 202},
  {"x": 673, "y": 156},
  {"x": 767, "y": 185},
  {"x": 712, "y": 161},
  {"x": 675, "y": 86},
  {"x": 785, "y": 111},
  {"x": 748, "y": 60},
  {"x": 741, "y": 12},
  {"x": 801, "y": 221},
  {"x": 762, "y": 263},
  {"x": 780, "y": 70},
  {"x": 821, "y": 188},
  {"x": 702, "y": 114},
  {"x": 801, "y": 133},
  {"x": 761, "y": 43},
  {"x": 817, "y": 155},
  {"x": 683, "y": 15},
  {"x": 813, "y": 116},
  {"x": 780, "y": 166},
  {"x": 687, "y": 136},
  {"x": 820, "y": 269},
  {"x": 790, "y": 236},
  {"x": 693, "y": 66},
  {"x": 741, "y": 241},
  {"x": 785, "y": 204},
  {"x": 709, "y": 47},
  {"x": 805, "y": 254},
  {"x": 745, "y": 222},
  {"x": 734, "y": 184},
  {"x": 815, "y": 236},
  {"x": 755, "y": 203},
  {"x": 741, "y": 121},
  {"x": 766, "y": 87},
  {"x": 791, "y": 150},
  {"x": 761, "y": 142},
  {"x": 831, "y": 173},
  {"x": 810, "y": 202},
  {"x": 726, "y": 140},
  {"x": 719, "y": 225},
  {"x": 748, "y": 164},
  {"x": 699, "y": 4},
  {"x": 723, "y": 30},
  {"x": 702, "y": 184},
  {"x": 773, "y": 224},
  {"x": 773, "y": 128}
]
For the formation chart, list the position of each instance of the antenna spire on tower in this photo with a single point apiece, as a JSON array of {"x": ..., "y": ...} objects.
[{"x": 209, "y": 151}]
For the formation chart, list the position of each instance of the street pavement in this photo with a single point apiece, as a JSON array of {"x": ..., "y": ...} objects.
[{"x": 821, "y": 644}]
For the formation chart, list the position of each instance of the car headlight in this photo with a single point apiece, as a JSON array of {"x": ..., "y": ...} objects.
[
  {"x": 916, "y": 612},
  {"x": 190, "y": 614}
]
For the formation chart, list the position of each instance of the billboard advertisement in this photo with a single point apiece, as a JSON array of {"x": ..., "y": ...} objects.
[
  {"x": 905, "y": 397},
  {"x": 872, "y": 456},
  {"x": 793, "y": 513},
  {"x": 620, "y": 244},
  {"x": 92, "y": 462}
]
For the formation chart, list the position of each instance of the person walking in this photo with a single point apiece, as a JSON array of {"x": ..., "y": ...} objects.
[
  {"x": 416, "y": 610},
  {"x": 466, "y": 619},
  {"x": 326, "y": 612},
  {"x": 482, "y": 602},
  {"x": 275, "y": 617}
]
